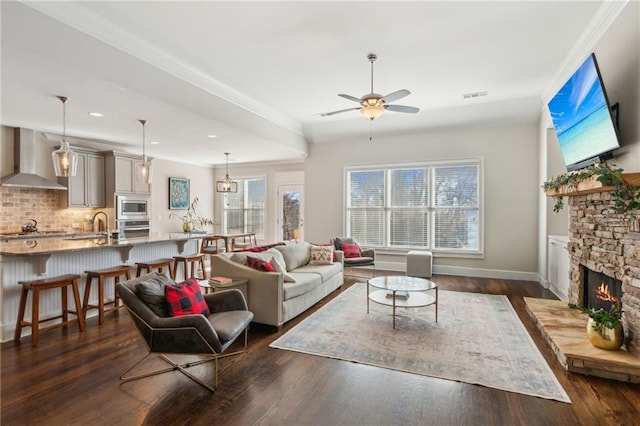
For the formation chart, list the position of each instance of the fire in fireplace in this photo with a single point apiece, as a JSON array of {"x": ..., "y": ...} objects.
[{"x": 601, "y": 291}]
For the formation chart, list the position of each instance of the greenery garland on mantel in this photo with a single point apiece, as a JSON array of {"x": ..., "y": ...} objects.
[{"x": 626, "y": 197}]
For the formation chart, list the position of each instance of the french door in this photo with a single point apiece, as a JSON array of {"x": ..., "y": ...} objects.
[{"x": 291, "y": 213}]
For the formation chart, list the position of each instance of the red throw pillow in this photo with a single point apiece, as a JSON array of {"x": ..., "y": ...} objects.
[
  {"x": 185, "y": 298},
  {"x": 259, "y": 264},
  {"x": 260, "y": 249},
  {"x": 350, "y": 250}
]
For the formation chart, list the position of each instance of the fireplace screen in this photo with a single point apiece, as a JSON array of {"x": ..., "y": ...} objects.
[{"x": 600, "y": 290}]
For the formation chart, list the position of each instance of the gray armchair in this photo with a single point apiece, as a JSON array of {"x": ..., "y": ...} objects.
[
  {"x": 367, "y": 255},
  {"x": 189, "y": 334}
]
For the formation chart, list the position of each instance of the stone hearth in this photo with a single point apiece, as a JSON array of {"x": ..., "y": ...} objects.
[
  {"x": 565, "y": 331},
  {"x": 602, "y": 241}
]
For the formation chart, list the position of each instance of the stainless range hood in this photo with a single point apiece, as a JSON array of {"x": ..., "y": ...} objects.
[{"x": 24, "y": 164}]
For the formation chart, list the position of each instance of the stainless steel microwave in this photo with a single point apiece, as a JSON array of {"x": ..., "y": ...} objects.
[{"x": 132, "y": 207}]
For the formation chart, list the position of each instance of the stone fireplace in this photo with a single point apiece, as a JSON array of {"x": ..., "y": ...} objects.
[{"x": 604, "y": 242}]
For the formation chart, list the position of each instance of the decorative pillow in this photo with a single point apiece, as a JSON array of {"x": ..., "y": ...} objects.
[
  {"x": 334, "y": 258},
  {"x": 350, "y": 250},
  {"x": 185, "y": 298},
  {"x": 259, "y": 264},
  {"x": 263, "y": 248},
  {"x": 241, "y": 257},
  {"x": 151, "y": 291},
  {"x": 277, "y": 266},
  {"x": 295, "y": 255},
  {"x": 321, "y": 255},
  {"x": 338, "y": 241}
]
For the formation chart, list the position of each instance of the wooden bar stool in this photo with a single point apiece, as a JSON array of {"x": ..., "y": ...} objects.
[
  {"x": 193, "y": 260},
  {"x": 61, "y": 282},
  {"x": 101, "y": 275},
  {"x": 159, "y": 264},
  {"x": 211, "y": 245}
]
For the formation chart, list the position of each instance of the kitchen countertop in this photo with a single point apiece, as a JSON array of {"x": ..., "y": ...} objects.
[{"x": 26, "y": 246}]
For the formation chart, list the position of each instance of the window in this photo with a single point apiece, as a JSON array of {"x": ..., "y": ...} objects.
[
  {"x": 433, "y": 206},
  {"x": 244, "y": 210}
]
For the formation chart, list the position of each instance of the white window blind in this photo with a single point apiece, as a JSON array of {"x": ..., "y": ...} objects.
[
  {"x": 430, "y": 206},
  {"x": 244, "y": 210}
]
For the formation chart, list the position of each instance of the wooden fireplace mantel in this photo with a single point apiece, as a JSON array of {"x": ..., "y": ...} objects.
[{"x": 591, "y": 185}]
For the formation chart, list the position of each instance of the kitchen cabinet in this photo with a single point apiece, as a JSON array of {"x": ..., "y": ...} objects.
[
  {"x": 120, "y": 175},
  {"x": 87, "y": 187},
  {"x": 558, "y": 266}
]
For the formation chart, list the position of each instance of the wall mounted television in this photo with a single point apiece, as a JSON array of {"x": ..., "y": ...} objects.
[{"x": 582, "y": 118}]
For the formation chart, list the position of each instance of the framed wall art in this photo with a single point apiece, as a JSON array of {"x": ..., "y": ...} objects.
[{"x": 178, "y": 193}]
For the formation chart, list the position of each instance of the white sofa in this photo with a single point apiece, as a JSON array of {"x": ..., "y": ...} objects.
[{"x": 276, "y": 297}]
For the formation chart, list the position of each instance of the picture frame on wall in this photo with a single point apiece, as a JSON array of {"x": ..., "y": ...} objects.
[{"x": 178, "y": 193}]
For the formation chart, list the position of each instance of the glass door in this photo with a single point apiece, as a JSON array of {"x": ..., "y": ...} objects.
[{"x": 290, "y": 213}]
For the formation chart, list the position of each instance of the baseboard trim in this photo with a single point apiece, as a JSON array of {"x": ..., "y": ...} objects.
[{"x": 466, "y": 271}]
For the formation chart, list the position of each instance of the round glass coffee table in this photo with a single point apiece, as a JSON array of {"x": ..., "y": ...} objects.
[{"x": 402, "y": 291}]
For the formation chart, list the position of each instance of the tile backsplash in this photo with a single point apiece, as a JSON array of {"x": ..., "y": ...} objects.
[{"x": 18, "y": 205}]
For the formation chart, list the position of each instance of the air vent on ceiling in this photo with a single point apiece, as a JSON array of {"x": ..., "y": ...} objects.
[{"x": 474, "y": 95}]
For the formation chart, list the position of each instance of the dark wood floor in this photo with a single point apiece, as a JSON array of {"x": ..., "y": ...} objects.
[{"x": 72, "y": 378}]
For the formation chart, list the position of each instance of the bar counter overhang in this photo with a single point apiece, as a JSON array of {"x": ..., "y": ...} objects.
[{"x": 30, "y": 259}]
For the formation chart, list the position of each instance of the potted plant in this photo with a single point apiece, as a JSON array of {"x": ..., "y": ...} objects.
[
  {"x": 191, "y": 220},
  {"x": 604, "y": 327}
]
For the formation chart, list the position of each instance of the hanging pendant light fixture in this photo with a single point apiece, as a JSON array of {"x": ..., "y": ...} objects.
[
  {"x": 65, "y": 161},
  {"x": 226, "y": 184},
  {"x": 143, "y": 169}
]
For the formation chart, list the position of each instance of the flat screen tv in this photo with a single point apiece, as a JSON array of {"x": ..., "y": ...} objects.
[{"x": 582, "y": 118}]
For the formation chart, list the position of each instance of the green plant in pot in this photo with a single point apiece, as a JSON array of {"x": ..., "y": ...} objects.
[
  {"x": 191, "y": 220},
  {"x": 604, "y": 327}
]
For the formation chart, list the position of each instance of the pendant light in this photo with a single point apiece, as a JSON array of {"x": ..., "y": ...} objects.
[
  {"x": 65, "y": 161},
  {"x": 226, "y": 184},
  {"x": 143, "y": 169}
]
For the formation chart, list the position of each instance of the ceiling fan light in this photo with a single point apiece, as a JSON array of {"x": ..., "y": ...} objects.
[{"x": 372, "y": 111}]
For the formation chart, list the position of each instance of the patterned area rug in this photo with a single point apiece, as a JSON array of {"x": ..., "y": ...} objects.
[{"x": 478, "y": 339}]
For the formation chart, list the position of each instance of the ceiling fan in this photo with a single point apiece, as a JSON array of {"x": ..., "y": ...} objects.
[{"x": 373, "y": 104}]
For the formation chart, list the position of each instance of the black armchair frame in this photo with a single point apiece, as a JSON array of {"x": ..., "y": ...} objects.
[{"x": 191, "y": 334}]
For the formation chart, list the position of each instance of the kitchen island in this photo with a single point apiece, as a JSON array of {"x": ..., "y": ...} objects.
[{"x": 30, "y": 259}]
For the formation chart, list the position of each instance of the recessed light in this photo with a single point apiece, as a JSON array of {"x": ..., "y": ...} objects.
[
  {"x": 96, "y": 114},
  {"x": 154, "y": 143},
  {"x": 212, "y": 136}
]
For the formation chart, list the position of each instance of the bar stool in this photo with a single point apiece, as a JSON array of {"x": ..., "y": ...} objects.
[
  {"x": 159, "y": 264},
  {"x": 210, "y": 245},
  {"x": 61, "y": 282},
  {"x": 101, "y": 275},
  {"x": 247, "y": 242},
  {"x": 193, "y": 260}
]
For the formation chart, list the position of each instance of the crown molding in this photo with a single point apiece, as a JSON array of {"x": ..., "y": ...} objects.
[
  {"x": 82, "y": 19},
  {"x": 595, "y": 30}
]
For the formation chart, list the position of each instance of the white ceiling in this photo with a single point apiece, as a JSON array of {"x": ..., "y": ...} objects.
[{"x": 258, "y": 74}]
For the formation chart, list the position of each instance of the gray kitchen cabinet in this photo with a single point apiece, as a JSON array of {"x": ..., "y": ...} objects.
[
  {"x": 120, "y": 175},
  {"x": 87, "y": 187}
]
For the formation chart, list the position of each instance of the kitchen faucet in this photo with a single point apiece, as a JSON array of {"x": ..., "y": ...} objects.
[{"x": 106, "y": 216}]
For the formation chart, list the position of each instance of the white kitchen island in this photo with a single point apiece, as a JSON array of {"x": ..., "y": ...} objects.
[{"x": 22, "y": 260}]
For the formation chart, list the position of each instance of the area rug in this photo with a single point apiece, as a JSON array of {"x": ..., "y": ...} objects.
[{"x": 478, "y": 339}]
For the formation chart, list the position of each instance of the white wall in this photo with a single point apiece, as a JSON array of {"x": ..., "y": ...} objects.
[
  {"x": 510, "y": 190},
  {"x": 269, "y": 171},
  {"x": 618, "y": 54},
  {"x": 202, "y": 185}
]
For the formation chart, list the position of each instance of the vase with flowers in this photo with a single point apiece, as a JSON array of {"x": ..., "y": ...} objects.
[
  {"x": 604, "y": 327},
  {"x": 191, "y": 220}
]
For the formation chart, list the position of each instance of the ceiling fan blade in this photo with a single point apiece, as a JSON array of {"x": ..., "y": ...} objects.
[
  {"x": 351, "y": 98},
  {"x": 402, "y": 108},
  {"x": 324, "y": 114},
  {"x": 398, "y": 94}
]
